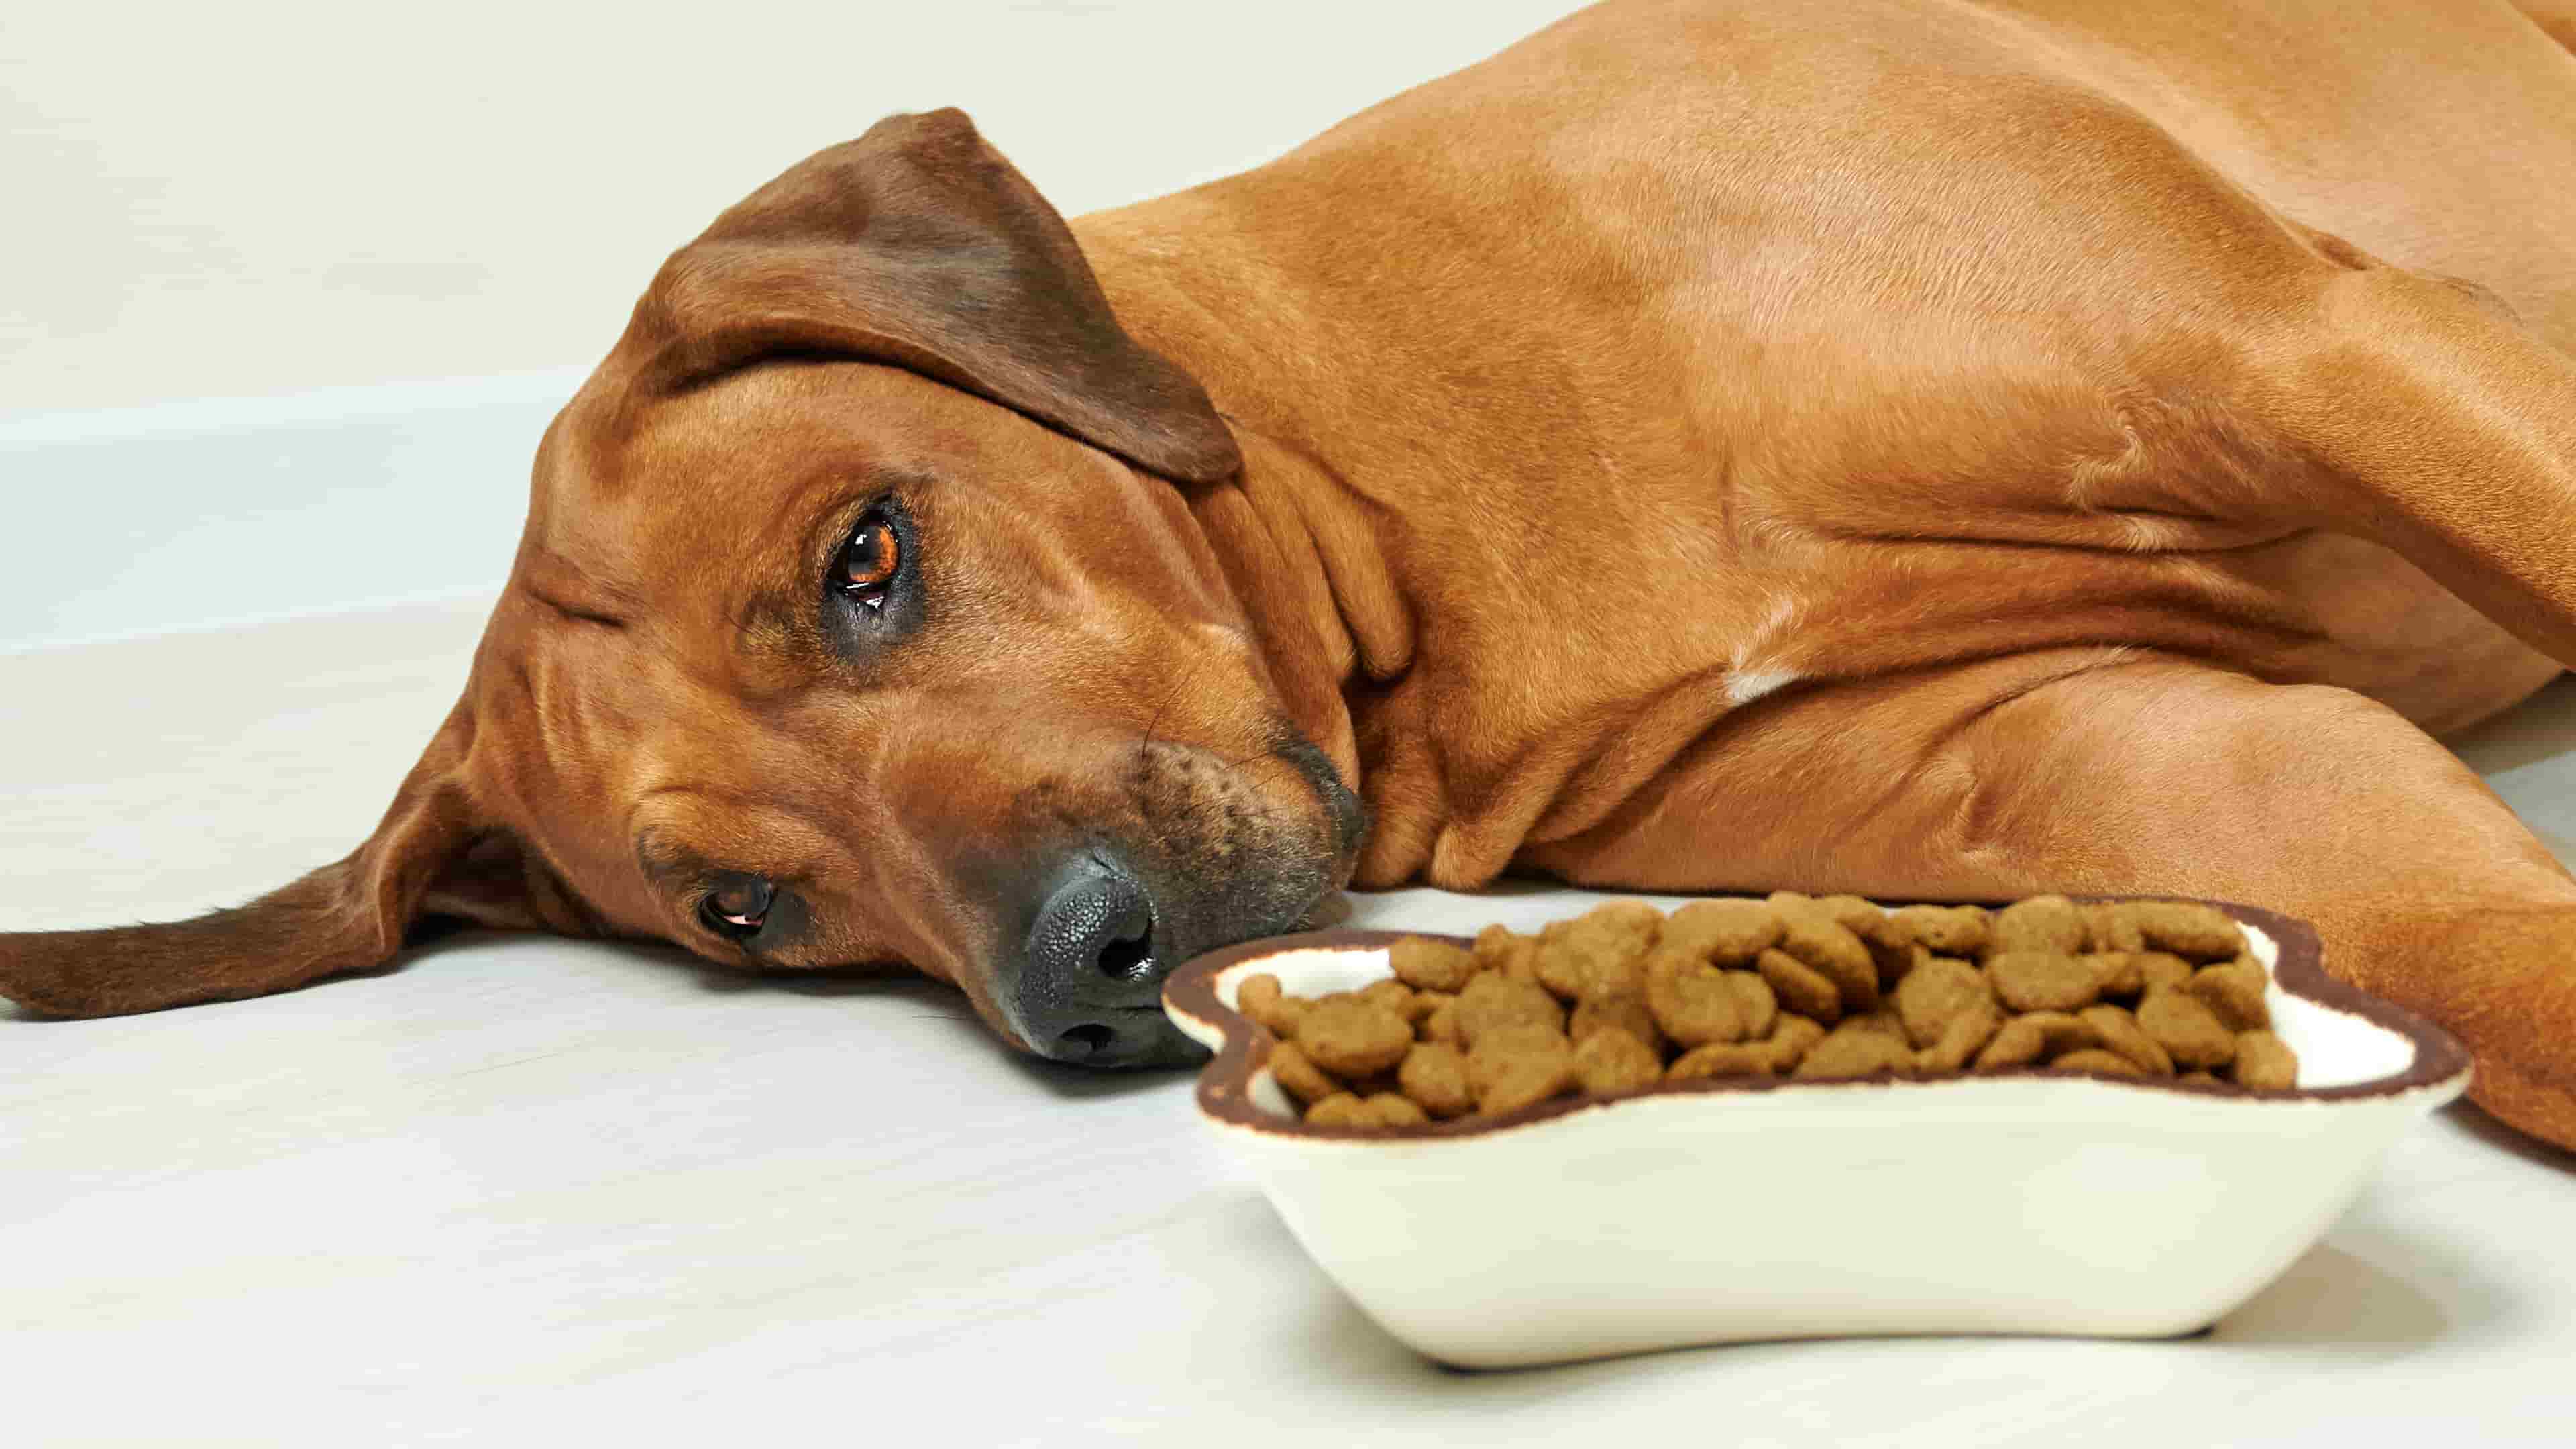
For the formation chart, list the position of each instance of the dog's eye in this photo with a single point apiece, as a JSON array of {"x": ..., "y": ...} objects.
[
  {"x": 870, "y": 560},
  {"x": 737, "y": 906}
]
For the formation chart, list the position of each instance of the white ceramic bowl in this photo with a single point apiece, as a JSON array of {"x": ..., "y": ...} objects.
[{"x": 2034, "y": 1201}]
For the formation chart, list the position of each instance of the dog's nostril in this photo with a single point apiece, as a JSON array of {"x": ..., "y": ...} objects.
[
  {"x": 1129, "y": 956},
  {"x": 1082, "y": 1043}
]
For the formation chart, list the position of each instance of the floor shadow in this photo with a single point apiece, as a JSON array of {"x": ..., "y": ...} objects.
[
  {"x": 2540, "y": 728},
  {"x": 936, "y": 998},
  {"x": 2331, "y": 1301},
  {"x": 1075, "y": 1084},
  {"x": 2469, "y": 1117}
]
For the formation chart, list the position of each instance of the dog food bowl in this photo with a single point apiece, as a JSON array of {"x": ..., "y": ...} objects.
[{"x": 2037, "y": 1201}]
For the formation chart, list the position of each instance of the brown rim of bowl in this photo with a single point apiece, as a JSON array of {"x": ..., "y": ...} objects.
[{"x": 1223, "y": 1083}]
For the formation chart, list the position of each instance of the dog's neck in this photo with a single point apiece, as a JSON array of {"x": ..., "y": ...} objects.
[
  {"x": 1302, "y": 553},
  {"x": 1383, "y": 480},
  {"x": 1303, "y": 548}
]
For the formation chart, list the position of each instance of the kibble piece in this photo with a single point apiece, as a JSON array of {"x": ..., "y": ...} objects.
[
  {"x": 1755, "y": 1002},
  {"x": 1855, "y": 1049},
  {"x": 1791, "y": 1040},
  {"x": 1352, "y": 1037},
  {"x": 1433, "y": 965},
  {"x": 1423, "y": 1004},
  {"x": 2042, "y": 981},
  {"x": 2264, "y": 1060},
  {"x": 1342, "y": 1110},
  {"x": 1533, "y": 1069},
  {"x": 2187, "y": 1029},
  {"x": 1395, "y": 1111},
  {"x": 1965, "y": 1034},
  {"x": 1891, "y": 947},
  {"x": 1492, "y": 1001},
  {"x": 1850, "y": 911},
  {"x": 2160, "y": 970},
  {"x": 1298, "y": 1075},
  {"x": 1614, "y": 1061},
  {"x": 1725, "y": 1059},
  {"x": 1690, "y": 1000},
  {"x": 1507, "y": 953},
  {"x": 1563, "y": 966},
  {"x": 1258, "y": 993},
  {"x": 1395, "y": 996},
  {"x": 1898, "y": 962},
  {"x": 2234, "y": 991},
  {"x": 1946, "y": 930},
  {"x": 1727, "y": 932},
  {"x": 1883, "y": 1021},
  {"x": 1499, "y": 1048},
  {"x": 1442, "y": 1024},
  {"x": 1639, "y": 921},
  {"x": 2096, "y": 1059},
  {"x": 2193, "y": 932},
  {"x": 2049, "y": 924},
  {"x": 1934, "y": 992},
  {"x": 1569, "y": 965},
  {"x": 2017, "y": 1043},
  {"x": 1434, "y": 1075},
  {"x": 2121, "y": 1033},
  {"x": 2109, "y": 929},
  {"x": 1832, "y": 951},
  {"x": 2025, "y": 1039},
  {"x": 1627, "y": 1014},
  {"x": 1799, "y": 987},
  {"x": 1260, "y": 998},
  {"x": 1572, "y": 952},
  {"x": 2116, "y": 972},
  {"x": 1615, "y": 976}
]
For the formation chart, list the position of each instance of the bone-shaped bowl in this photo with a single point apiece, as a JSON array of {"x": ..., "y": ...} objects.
[{"x": 2037, "y": 1201}]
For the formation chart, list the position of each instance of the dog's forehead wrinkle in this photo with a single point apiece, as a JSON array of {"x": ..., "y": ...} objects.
[{"x": 572, "y": 589}]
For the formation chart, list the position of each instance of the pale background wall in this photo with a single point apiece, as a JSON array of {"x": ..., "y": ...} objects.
[{"x": 263, "y": 199}]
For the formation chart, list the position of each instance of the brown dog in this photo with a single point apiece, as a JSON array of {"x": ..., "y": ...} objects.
[{"x": 1911, "y": 448}]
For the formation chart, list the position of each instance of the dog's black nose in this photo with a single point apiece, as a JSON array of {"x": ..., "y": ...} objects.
[{"x": 1091, "y": 976}]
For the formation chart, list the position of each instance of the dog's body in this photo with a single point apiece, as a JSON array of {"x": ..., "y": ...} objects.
[{"x": 1921, "y": 449}]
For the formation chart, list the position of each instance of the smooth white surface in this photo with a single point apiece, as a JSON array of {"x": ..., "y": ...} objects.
[
  {"x": 267, "y": 196},
  {"x": 141, "y": 520},
  {"x": 1819, "y": 1209},
  {"x": 529, "y": 1188}
]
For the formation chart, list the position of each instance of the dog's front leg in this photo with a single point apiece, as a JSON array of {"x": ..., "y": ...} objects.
[{"x": 2113, "y": 774}]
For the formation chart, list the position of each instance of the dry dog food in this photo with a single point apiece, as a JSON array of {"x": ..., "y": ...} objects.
[{"x": 1625, "y": 998}]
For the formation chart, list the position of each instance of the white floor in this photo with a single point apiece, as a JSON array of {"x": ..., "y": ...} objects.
[{"x": 523, "y": 1189}]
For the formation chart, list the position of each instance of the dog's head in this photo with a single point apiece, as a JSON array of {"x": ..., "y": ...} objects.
[{"x": 859, "y": 618}]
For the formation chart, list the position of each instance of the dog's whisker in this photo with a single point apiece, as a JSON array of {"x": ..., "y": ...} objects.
[{"x": 1155, "y": 721}]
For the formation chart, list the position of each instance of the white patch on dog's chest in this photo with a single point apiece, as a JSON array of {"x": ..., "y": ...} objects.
[
  {"x": 1751, "y": 676},
  {"x": 1747, "y": 685}
]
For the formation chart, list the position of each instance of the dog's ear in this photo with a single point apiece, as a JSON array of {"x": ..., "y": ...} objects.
[
  {"x": 431, "y": 855},
  {"x": 918, "y": 245}
]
